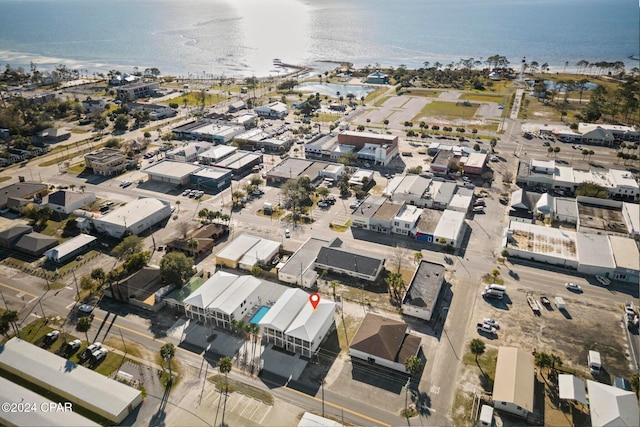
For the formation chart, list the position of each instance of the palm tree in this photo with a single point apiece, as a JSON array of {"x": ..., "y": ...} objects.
[
  {"x": 167, "y": 352},
  {"x": 556, "y": 150},
  {"x": 413, "y": 365},
  {"x": 386, "y": 123},
  {"x": 254, "y": 332},
  {"x": 477, "y": 348},
  {"x": 505, "y": 255},
  {"x": 224, "y": 367},
  {"x": 83, "y": 325},
  {"x": 333, "y": 285},
  {"x": 417, "y": 257},
  {"x": 178, "y": 205},
  {"x": 11, "y": 318}
]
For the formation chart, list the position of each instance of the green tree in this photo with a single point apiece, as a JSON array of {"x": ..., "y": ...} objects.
[
  {"x": 256, "y": 271},
  {"x": 556, "y": 150},
  {"x": 224, "y": 367},
  {"x": 83, "y": 325},
  {"x": 397, "y": 286},
  {"x": 10, "y": 318},
  {"x": 176, "y": 268},
  {"x": 128, "y": 245},
  {"x": 121, "y": 123},
  {"x": 323, "y": 192},
  {"x": 136, "y": 261},
  {"x": 477, "y": 348},
  {"x": 99, "y": 275},
  {"x": 591, "y": 189},
  {"x": 86, "y": 283},
  {"x": 417, "y": 257},
  {"x": 413, "y": 365},
  {"x": 542, "y": 360},
  {"x": 167, "y": 352}
]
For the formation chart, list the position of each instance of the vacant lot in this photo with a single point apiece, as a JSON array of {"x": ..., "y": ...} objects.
[{"x": 447, "y": 111}]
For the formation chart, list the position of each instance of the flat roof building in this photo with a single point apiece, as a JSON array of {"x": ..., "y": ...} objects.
[
  {"x": 81, "y": 386},
  {"x": 240, "y": 163},
  {"x": 216, "y": 154},
  {"x": 246, "y": 251},
  {"x": 423, "y": 290},
  {"x": 450, "y": 229},
  {"x": 300, "y": 267},
  {"x": 211, "y": 178},
  {"x": 136, "y": 216},
  {"x": 106, "y": 161},
  {"x": 172, "y": 172}
]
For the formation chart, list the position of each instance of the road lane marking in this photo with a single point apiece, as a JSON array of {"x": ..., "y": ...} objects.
[
  {"x": 18, "y": 290},
  {"x": 378, "y": 422}
]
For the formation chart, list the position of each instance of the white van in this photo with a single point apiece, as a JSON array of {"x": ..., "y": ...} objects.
[
  {"x": 497, "y": 287},
  {"x": 595, "y": 364}
]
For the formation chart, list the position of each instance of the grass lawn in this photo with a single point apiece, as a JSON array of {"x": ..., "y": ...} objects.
[
  {"x": 422, "y": 92},
  {"x": 79, "y": 130},
  {"x": 242, "y": 388},
  {"x": 350, "y": 326},
  {"x": 373, "y": 95},
  {"x": 461, "y": 408},
  {"x": 77, "y": 168},
  {"x": 326, "y": 118},
  {"x": 340, "y": 228},
  {"x": 176, "y": 368},
  {"x": 380, "y": 101},
  {"x": 277, "y": 213},
  {"x": 132, "y": 348},
  {"x": 193, "y": 99},
  {"x": 52, "y": 227},
  {"x": 446, "y": 110},
  {"x": 483, "y": 97},
  {"x": 487, "y": 363},
  {"x": 4, "y": 178},
  {"x": 73, "y": 264}
]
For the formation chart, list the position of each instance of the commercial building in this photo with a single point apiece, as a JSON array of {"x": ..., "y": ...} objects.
[
  {"x": 424, "y": 192},
  {"x": 137, "y": 90},
  {"x": 361, "y": 177},
  {"x": 273, "y": 110},
  {"x": 450, "y": 229},
  {"x": 41, "y": 411},
  {"x": 547, "y": 175},
  {"x": 405, "y": 221},
  {"x": 9, "y": 236},
  {"x": 377, "y": 78},
  {"x": 423, "y": 290},
  {"x": 300, "y": 267},
  {"x": 142, "y": 289},
  {"x": 247, "y": 251},
  {"x": 312, "y": 420},
  {"x": 65, "y": 201},
  {"x": 216, "y": 154},
  {"x": 474, "y": 163},
  {"x": 351, "y": 263},
  {"x": 207, "y": 130},
  {"x": 589, "y": 253},
  {"x": 362, "y": 215},
  {"x": 106, "y": 161},
  {"x": 156, "y": 112},
  {"x": 136, "y": 217},
  {"x": 605, "y": 134},
  {"x": 176, "y": 173},
  {"x": 70, "y": 249},
  {"x": 384, "y": 342},
  {"x": 53, "y": 135},
  {"x": 19, "y": 192},
  {"x": 514, "y": 382},
  {"x": 293, "y": 168},
  {"x": 211, "y": 179},
  {"x": 374, "y": 148},
  {"x": 187, "y": 153},
  {"x": 240, "y": 163},
  {"x": 80, "y": 386}
]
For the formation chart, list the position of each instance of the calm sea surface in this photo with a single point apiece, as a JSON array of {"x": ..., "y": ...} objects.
[{"x": 242, "y": 37}]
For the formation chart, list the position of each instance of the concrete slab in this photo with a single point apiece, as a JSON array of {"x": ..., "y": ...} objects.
[{"x": 283, "y": 364}]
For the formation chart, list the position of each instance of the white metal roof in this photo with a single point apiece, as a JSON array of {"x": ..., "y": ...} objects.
[
  {"x": 69, "y": 246},
  {"x": 311, "y": 420},
  {"x": 135, "y": 211},
  {"x": 218, "y": 152},
  {"x": 514, "y": 377},
  {"x": 449, "y": 225},
  {"x": 13, "y": 393},
  {"x": 594, "y": 250},
  {"x": 309, "y": 321},
  {"x": 285, "y": 309},
  {"x": 89, "y": 388},
  {"x": 238, "y": 247},
  {"x": 238, "y": 291},
  {"x": 612, "y": 406},
  {"x": 171, "y": 169},
  {"x": 572, "y": 388},
  {"x": 262, "y": 251},
  {"x": 625, "y": 253},
  {"x": 211, "y": 289}
]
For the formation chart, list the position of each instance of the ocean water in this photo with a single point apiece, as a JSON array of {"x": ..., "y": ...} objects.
[{"x": 242, "y": 37}]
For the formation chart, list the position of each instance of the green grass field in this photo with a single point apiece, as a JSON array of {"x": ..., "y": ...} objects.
[
  {"x": 193, "y": 99},
  {"x": 446, "y": 110},
  {"x": 483, "y": 97}
]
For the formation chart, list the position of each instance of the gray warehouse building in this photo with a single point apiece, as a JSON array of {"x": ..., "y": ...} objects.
[
  {"x": 136, "y": 216},
  {"x": 79, "y": 385}
]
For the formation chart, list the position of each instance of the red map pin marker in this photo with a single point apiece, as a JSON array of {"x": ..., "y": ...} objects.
[{"x": 314, "y": 299}]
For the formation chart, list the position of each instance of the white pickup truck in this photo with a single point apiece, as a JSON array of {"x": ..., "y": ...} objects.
[{"x": 483, "y": 327}]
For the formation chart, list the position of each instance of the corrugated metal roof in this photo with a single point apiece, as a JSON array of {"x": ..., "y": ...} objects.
[{"x": 514, "y": 377}]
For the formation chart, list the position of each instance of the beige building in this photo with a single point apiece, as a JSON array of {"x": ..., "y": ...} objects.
[{"x": 106, "y": 161}]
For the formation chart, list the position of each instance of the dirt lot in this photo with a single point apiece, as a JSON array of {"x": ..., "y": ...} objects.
[{"x": 586, "y": 325}]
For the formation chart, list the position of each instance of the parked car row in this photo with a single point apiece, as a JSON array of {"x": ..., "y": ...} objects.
[{"x": 194, "y": 194}]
